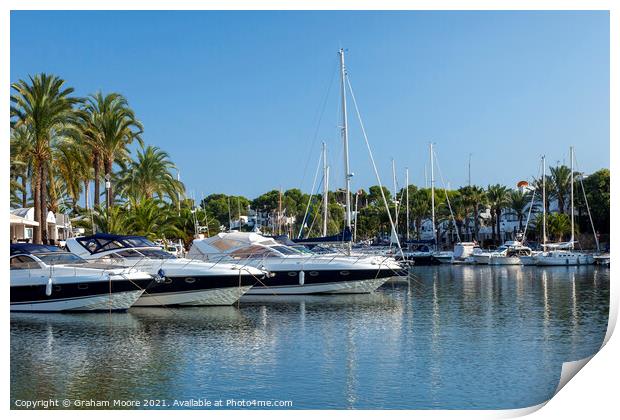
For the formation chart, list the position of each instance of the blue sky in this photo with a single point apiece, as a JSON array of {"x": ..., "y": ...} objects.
[{"x": 237, "y": 98}]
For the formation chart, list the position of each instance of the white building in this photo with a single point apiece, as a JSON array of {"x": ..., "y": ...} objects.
[{"x": 23, "y": 223}]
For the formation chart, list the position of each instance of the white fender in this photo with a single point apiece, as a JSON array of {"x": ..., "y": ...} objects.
[
  {"x": 302, "y": 276},
  {"x": 48, "y": 287}
]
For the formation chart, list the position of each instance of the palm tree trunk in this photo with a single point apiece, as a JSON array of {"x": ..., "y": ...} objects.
[
  {"x": 24, "y": 192},
  {"x": 493, "y": 224},
  {"x": 43, "y": 208},
  {"x": 499, "y": 232},
  {"x": 37, "y": 204},
  {"x": 97, "y": 179},
  {"x": 108, "y": 174},
  {"x": 86, "y": 198}
]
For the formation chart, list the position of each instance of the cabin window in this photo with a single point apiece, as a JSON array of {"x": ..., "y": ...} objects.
[
  {"x": 190, "y": 280},
  {"x": 23, "y": 262},
  {"x": 314, "y": 273},
  {"x": 344, "y": 273},
  {"x": 292, "y": 273}
]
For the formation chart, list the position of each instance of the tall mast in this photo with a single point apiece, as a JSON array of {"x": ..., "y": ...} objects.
[
  {"x": 433, "y": 194},
  {"x": 280, "y": 211},
  {"x": 469, "y": 171},
  {"x": 544, "y": 202},
  {"x": 345, "y": 140},
  {"x": 572, "y": 201},
  {"x": 395, "y": 196},
  {"x": 407, "y": 198},
  {"x": 325, "y": 188}
]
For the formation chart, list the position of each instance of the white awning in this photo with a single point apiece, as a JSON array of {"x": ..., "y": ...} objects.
[{"x": 17, "y": 220}]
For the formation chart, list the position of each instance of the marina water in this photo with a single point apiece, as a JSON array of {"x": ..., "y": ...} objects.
[{"x": 451, "y": 337}]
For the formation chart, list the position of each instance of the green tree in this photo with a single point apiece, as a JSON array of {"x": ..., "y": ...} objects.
[
  {"x": 149, "y": 175},
  {"x": 498, "y": 199},
  {"x": 109, "y": 127},
  {"x": 44, "y": 104},
  {"x": 519, "y": 203}
]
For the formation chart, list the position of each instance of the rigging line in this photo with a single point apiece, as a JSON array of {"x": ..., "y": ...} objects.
[
  {"x": 316, "y": 174},
  {"x": 458, "y": 237},
  {"x": 529, "y": 212},
  {"x": 316, "y": 214},
  {"x": 374, "y": 166},
  {"x": 583, "y": 189},
  {"x": 318, "y": 124}
]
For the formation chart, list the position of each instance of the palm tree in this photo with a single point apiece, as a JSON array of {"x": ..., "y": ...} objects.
[
  {"x": 519, "y": 203},
  {"x": 149, "y": 175},
  {"x": 110, "y": 220},
  {"x": 474, "y": 198},
  {"x": 153, "y": 218},
  {"x": 498, "y": 199},
  {"x": 73, "y": 167},
  {"x": 558, "y": 225},
  {"x": 45, "y": 106},
  {"x": 549, "y": 188},
  {"x": 21, "y": 165},
  {"x": 560, "y": 185},
  {"x": 109, "y": 126},
  {"x": 419, "y": 208}
]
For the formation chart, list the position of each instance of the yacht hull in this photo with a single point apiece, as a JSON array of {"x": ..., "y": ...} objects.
[
  {"x": 223, "y": 296},
  {"x": 341, "y": 287},
  {"x": 504, "y": 260},
  {"x": 568, "y": 260},
  {"x": 481, "y": 259},
  {"x": 528, "y": 260},
  {"x": 322, "y": 282},
  {"x": 197, "y": 290},
  {"x": 118, "y": 301},
  {"x": 419, "y": 260}
]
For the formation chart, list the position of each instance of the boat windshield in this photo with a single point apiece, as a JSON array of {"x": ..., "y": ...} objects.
[
  {"x": 285, "y": 250},
  {"x": 60, "y": 258},
  {"x": 156, "y": 254}
]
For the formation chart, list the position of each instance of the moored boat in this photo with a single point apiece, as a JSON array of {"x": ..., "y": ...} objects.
[
  {"x": 185, "y": 282},
  {"x": 47, "y": 279}
]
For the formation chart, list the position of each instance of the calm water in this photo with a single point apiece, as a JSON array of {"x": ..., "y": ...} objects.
[{"x": 451, "y": 337}]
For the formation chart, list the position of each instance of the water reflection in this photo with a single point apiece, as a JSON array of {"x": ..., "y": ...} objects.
[{"x": 449, "y": 337}]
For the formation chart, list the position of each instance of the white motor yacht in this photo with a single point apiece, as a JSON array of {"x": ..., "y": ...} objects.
[
  {"x": 185, "y": 282},
  {"x": 512, "y": 255},
  {"x": 294, "y": 272},
  {"x": 47, "y": 279}
]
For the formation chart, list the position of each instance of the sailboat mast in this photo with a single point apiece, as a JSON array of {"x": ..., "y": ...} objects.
[
  {"x": 280, "y": 212},
  {"x": 433, "y": 194},
  {"x": 345, "y": 140},
  {"x": 395, "y": 196},
  {"x": 325, "y": 188},
  {"x": 469, "y": 171},
  {"x": 572, "y": 201},
  {"x": 544, "y": 202},
  {"x": 407, "y": 198}
]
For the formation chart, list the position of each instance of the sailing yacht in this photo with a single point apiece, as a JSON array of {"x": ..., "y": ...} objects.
[
  {"x": 45, "y": 278},
  {"x": 564, "y": 253},
  {"x": 185, "y": 282}
]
